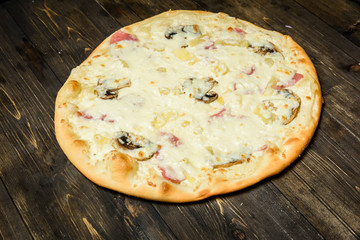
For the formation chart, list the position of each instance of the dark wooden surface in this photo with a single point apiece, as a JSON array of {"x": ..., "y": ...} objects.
[{"x": 43, "y": 196}]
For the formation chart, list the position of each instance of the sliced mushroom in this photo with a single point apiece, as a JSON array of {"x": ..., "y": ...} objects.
[
  {"x": 283, "y": 106},
  {"x": 295, "y": 110},
  {"x": 263, "y": 50},
  {"x": 192, "y": 29},
  {"x": 109, "y": 88},
  {"x": 233, "y": 159},
  {"x": 134, "y": 145},
  {"x": 200, "y": 89},
  {"x": 229, "y": 164},
  {"x": 209, "y": 97}
]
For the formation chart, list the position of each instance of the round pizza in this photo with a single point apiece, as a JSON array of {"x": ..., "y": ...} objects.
[{"x": 187, "y": 105}]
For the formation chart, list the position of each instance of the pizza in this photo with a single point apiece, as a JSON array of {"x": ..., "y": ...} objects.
[{"x": 186, "y": 105}]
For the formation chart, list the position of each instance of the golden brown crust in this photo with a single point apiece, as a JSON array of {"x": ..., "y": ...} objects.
[{"x": 122, "y": 167}]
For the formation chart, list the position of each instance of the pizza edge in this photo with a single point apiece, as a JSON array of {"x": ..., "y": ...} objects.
[{"x": 76, "y": 149}]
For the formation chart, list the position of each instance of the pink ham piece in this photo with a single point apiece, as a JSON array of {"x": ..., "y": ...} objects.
[
  {"x": 219, "y": 114},
  {"x": 103, "y": 117},
  {"x": 174, "y": 140},
  {"x": 240, "y": 31},
  {"x": 121, "y": 36},
  {"x": 84, "y": 115},
  {"x": 211, "y": 47},
  {"x": 166, "y": 176},
  {"x": 297, "y": 77},
  {"x": 262, "y": 148},
  {"x": 252, "y": 70}
]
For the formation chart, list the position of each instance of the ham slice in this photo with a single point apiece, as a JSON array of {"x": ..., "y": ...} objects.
[
  {"x": 122, "y": 36},
  {"x": 297, "y": 77},
  {"x": 166, "y": 175}
]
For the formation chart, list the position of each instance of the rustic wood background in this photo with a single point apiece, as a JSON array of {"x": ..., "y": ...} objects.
[{"x": 43, "y": 196}]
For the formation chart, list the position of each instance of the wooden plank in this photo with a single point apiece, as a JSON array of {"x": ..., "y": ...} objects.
[
  {"x": 314, "y": 208},
  {"x": 324, "y": 189},
  {"x": 11, "y": 224},
  {"x": 260, "y": 212},
  {"x": 72, "y": 38},
  {"x": 343, "y": 16},
  {"x": 32, "y": 165}
]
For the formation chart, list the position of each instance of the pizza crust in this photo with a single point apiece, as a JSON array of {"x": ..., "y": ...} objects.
[{"x": 122, "y": 167}]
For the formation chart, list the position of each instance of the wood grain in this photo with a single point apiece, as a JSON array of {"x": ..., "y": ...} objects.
[
  {"x": 343, "y": 16},
  {"x": 44, "y": 197},
  {"x": 11, "y": 223}
]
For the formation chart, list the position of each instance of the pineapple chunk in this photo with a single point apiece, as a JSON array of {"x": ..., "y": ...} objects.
[
  {"x": 161, "y": 69},
  {"x": 162, "y": 119},
  {"x": 101, "y": 139},
  {"x": 164, "y": 91},
  {"x": 265, "y": 114},
  {"x": 184, "y": 55},
  {"x": 242, "y": 43},
  {"x": 220, "y": 69},
  {"x": 220, "y": 100},
  {"x": 196, "y": 41},
  {"x": 198, "y": 131},
  {"x": 169, "y": 116},
  {"x": 269, "y": 62},
  {"x": 185, "y": 123},
  {"x": 124, "y": 63},
  {"x": 158, "y": 122}
]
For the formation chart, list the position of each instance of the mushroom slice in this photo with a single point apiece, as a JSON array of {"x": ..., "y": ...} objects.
[
  {"x": 182, "y": 29},
  {"x": 229, "y": 164},
  {"x": 294, "y": 110},
  {"x": 200, "y": 89},
  {"x": 233, "y": 159},
  {"x": 135, "y": 146},
  {"x": 109, "y": 88},
  {"x": 283, "y": 106},
  {"x": 263, "y": 50}
]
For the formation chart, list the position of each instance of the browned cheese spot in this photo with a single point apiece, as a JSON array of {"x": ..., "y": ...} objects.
[
  {"x": 150, "y": 183},
  {"x": 273, "y": 150},
  {"x": 121, "y": 165},
  {"x": 204, "y": 192},
  {"x": 164, "y": 187},
  {"x": 291, "y": 141},
  {"x": 73, "y": 87}
]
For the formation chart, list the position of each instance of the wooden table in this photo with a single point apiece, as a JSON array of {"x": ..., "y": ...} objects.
[{"x": 43, "y": 196}]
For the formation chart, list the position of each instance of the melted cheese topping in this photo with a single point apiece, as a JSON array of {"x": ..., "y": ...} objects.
[{"x": 159, "y": 104}]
